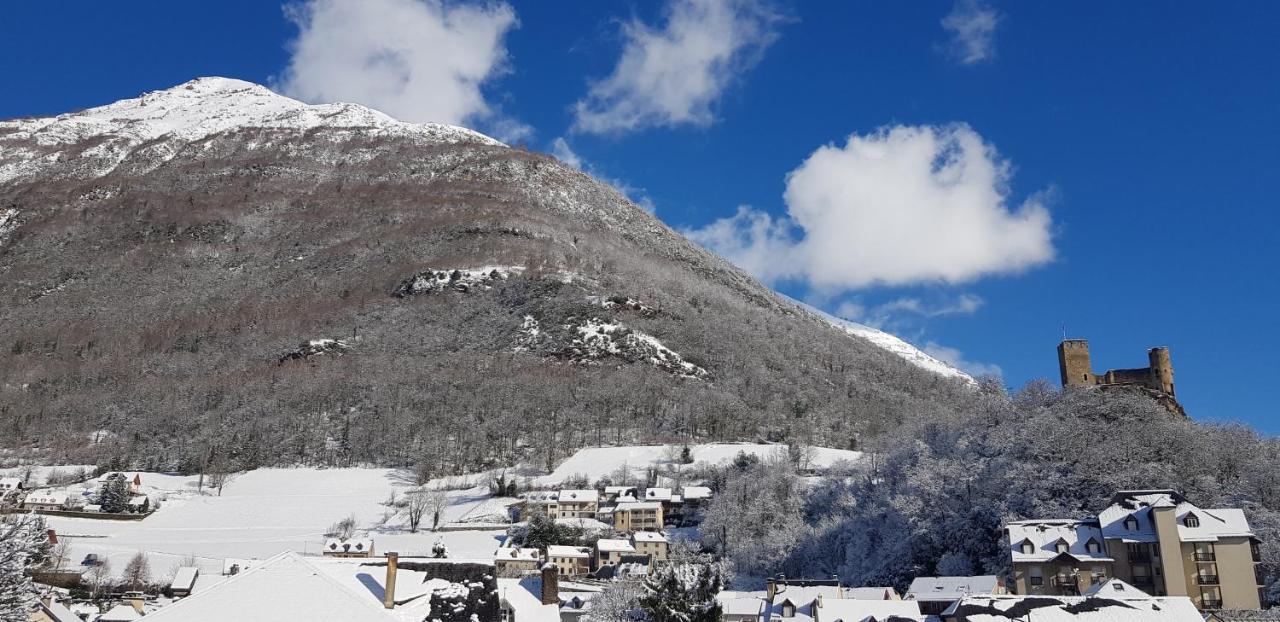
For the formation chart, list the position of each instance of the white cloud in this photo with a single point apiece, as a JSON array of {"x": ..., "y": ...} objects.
[
  {"x": 416, "y": 60},
  {"x": 898, "y": 206},
  {"x": 898, "y": 313},
  {"x": 972, "y": 24},
  {"x": 562, "y": 151},
  {"x": 674, "y": 75},
  {"x": 957, "y": 360}
]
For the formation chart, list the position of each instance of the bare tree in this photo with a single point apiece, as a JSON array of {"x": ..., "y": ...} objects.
[
  {"x": 137, "y": 573},
  {"x": 437, "y": 502},
  {"x": 343, "y": 529},
  {"x": 415, "y": 504},
  {"x": 99, "y": 577}
]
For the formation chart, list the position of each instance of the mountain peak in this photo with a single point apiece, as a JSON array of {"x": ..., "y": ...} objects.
[{"x": 186, "y": 113}]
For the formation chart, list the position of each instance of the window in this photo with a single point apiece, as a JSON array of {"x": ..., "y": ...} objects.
[
  {"x": 788, "y": 609},
  {"x": 1093, "y": 547},
  {"x": 1191, "y": 520},
  {"x": 1028, "y": 548},
  {"x": 1037, "y": 581},
  {"x": 1131, "y": 523},
  {"x": 1061, "y": 546}
]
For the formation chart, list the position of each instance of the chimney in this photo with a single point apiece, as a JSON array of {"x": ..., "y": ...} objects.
[
  {"x": 550, "y": 584},
  {"x": 138, "y": 603},
  {"x": 389, "y": 593},
  {"x": 53, "y": 537}
]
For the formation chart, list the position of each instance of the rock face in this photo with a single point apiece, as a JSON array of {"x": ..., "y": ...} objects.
[{"x": 458, "y": 301}]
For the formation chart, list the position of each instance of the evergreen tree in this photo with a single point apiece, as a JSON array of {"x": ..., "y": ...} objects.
[
  {"x": 114, "y": 495},
  {"x": 23, "y": 545},
  {"x": 683, "y": 589}
]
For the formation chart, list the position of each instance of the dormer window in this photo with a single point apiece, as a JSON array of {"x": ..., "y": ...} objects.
[
  {"x": 1191, "y": 520},
  {"x": 788, "y": 609},
  {"x": 1093, "y": 547},
  {"x": 1131, "y": 523},
  {"x": 1061, "y": 546},
  {"x": 1027, "y": 547}
]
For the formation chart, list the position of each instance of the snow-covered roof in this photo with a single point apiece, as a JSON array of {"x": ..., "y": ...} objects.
[
  {"x": 524, "y": 598},
  {"x": 557, "y": 550},
  {"x": 185, "y": 578},
  {"x": 415, "y": 582},
  {"x": 1115, "y": 588},
  {"x": 1214, "y": 523},
  {"x": 854, "y": 610},
  {"x": 348, "y": 545},
  {"x": 1045, "y": 537},
  {"x": 238, "y": 565},
  {"x": 57, "y": 612},
  {"x": 648, "y": 536},
  {"x": 138, "y": 500},
  {"x": 951, "y": 588},
  {"x": 1074, "y": 609},
  {"x": 579, "y": 496},
  {"x": 742, "y": 606},
  {"x": 693, "y": 493},
  {"x": 627, "y": 506},
  {"x": 871, "y": 593},
  {"x": 285, "y": 587},
  {"x": 541, "y": 496},
  {"x": 519, "y": 554},
  {"x": 10, "y": 482},
  {"x": 120, "y": 613},
  {"x": 50, "y": 497},
  {"x": 611, "y": 545},
  {"x": 657, "y": 494},
  {"x": 617, "y": 490},
  {"x": 589, "y": 524}
]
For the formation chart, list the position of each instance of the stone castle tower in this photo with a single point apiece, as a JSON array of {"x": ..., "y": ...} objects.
[{"x": 1077, "y": 370}]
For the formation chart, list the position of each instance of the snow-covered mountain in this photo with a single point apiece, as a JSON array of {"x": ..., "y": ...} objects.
[
  {"x": 891, "y": 343},
  {"x": 166, "y": 255}
]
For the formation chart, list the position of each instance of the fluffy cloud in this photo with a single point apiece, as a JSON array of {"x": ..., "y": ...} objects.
[
  {"x": 416, "y": 60},
  {"x": 898, "y": 206},
  {"x": 898, "y": 313},
  {"x": 972, "y": 25},
  {"x": 674, "y": 75}
]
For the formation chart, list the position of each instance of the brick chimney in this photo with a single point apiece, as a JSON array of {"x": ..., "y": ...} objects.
[
  {"x": 389, "y": 593},
  {"x": 550, "y": 584},
  {"x": 139, "y": 604}
]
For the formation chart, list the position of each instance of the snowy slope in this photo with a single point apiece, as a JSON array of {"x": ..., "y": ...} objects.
[
  {"x": 163, "y": 122},
  {"x": 889, "y": 342},
  {"x": 597, "y": 462}
]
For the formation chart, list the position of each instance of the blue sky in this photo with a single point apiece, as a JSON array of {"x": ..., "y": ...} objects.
[{"x": 1131, "y": 146}]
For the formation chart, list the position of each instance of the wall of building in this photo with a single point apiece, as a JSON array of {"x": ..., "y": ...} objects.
[{"x": 1236, "y": 573}]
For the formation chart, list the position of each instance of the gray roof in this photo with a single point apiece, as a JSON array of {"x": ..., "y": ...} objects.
[
  {"x": 1244, "y": 615},
  {"x": 951, "y": 588}
]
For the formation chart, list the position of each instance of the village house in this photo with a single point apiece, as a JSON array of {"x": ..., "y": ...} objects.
[
  {"x": 45, "y": 500},
  {"x": 8, "y": 484},
  {"x": 651, "y": 543},
  {"x": 816, "y": 601},
  {"x": 540, "y": 502},
  {"x": 49, "y": 609},
  {"x": 613, "y": 493},
  {"x": 570, "y": 560},
  {"x": 937, "y": 594},
  {"x": 184, "y": 580},
  {"x": 637, "y": 516},
  {"x": 348, "y": 547},
  {"x": 516, "y": 562},
  {"x": 609, "y": 551},
  {"x": 1058, "y": 557},
  {"x": 1154, "y": 540},
  {"x": 578, "y": 504}
]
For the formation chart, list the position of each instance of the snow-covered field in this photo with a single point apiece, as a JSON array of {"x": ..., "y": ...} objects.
[
  {"x": 40, "y": 474},
  {"x": 264, "y": 512},
  {"x": 597, "y": 462}
]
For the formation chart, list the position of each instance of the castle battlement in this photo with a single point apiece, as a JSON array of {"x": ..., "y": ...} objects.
[{"x": 1077, "y": 369}]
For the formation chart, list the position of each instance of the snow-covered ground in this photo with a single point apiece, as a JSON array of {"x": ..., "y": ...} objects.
[
  {"x": 597, "y": 462},
  {"x": 268, "y": 511},
  {"x": 40, "y": 474},
  {"x": 889, "y": 342}
]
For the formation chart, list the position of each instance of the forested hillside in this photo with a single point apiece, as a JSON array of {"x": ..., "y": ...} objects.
[{"x": 218, "y": 272}]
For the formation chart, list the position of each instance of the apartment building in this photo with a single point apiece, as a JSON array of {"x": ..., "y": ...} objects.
[
  {"x": 578, "y": 503},
  {"x": 638, "y": 516},
  {"x": 1155, "y": 540}
]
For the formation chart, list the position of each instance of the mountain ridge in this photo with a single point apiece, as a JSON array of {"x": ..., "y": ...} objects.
[{"x": 151, "y": 274}]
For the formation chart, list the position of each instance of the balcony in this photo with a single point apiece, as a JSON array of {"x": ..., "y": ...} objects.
[
  {"x": 1205, "y": 557},
  {"x": 1139, "y": 557},
  {"x": 1207, "y": 579},
  {"x": 1146, "y": 582},
  {"x": 1211, "y": 604}
]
